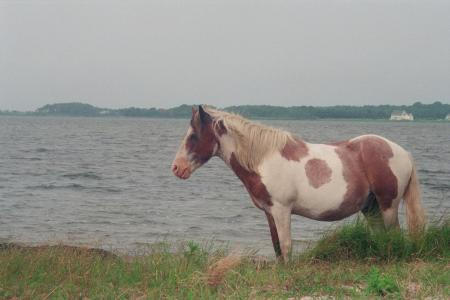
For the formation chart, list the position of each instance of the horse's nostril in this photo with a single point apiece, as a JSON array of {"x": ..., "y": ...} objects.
[{"x": 174, "y": 168}]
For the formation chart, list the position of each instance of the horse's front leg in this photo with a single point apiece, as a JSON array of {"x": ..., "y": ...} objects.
[{"x": 279, "y": 219}]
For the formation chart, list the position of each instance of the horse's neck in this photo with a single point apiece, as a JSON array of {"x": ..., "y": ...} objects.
[
  {"x": 251, "y": 146},
  {"x": 228, "y": 146}
]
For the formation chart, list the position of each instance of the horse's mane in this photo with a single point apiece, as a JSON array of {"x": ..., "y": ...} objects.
[{"x": 254, "y": 141}]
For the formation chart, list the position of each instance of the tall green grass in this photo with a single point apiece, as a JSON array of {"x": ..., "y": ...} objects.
[{"x": 357, "y": 241}]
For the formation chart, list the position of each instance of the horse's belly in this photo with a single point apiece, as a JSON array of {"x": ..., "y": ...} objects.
[
  {"x": 314, "y": 187},
  {"x": 323, "y": 205},
  {"x": 324, "y": 211}
]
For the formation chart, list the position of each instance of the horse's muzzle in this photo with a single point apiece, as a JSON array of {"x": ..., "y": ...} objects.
[{"x": 181, "y": 168}]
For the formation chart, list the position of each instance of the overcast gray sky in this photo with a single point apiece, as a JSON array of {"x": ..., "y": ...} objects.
[{"x": 165, "y": 53}]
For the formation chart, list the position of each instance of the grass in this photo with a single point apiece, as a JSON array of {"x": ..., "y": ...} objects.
[
  {"x": 356, "y": 241},
  {"x": 351, "y": 262}
]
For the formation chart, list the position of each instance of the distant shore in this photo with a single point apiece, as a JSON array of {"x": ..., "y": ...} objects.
[
  {"x": 251, "y": 118},
  {"x": 434, "y": 111}
]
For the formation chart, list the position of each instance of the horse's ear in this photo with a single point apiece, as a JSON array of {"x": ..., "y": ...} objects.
[
  {"x": 205, "y": 118},
  {"x": 193, "y": 110}
]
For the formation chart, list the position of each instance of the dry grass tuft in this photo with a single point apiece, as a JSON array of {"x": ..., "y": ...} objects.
[{"x": 216, "y": 272}]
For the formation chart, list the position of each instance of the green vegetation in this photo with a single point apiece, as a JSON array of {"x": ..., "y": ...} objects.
[
  {"x": 380, "y": 284},
  {"x": 70, "y": 109},
  {"x": 434, "y": 111},
  {"x": 357, "y": 242},
  {"x": 350, "y": 262}
]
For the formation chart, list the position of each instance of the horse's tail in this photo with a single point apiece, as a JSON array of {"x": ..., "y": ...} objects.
[{"x": 415, "y": 214}]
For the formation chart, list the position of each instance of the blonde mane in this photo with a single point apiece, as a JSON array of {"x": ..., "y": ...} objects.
[{"x": 254, "y": 141}]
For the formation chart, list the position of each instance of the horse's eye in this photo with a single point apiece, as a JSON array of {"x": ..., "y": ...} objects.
[{"x": 193, "y": 137}]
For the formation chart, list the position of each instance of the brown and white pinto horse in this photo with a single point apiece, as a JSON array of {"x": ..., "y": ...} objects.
[{"x": 284, "y": 174}]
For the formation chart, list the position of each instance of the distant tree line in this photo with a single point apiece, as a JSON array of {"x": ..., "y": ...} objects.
[{"x": 434, "y": 111}]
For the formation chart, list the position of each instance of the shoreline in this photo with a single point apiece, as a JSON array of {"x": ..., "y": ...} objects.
[{"x": 249, "y": 117}]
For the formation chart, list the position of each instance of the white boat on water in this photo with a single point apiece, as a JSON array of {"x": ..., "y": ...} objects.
[{"x": 398, "y": 115}]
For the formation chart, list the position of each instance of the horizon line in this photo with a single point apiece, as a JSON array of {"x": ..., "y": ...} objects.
[{"x": 196, "y": 104}]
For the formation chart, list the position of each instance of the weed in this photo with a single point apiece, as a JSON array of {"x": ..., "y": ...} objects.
[{"x": 380, "y": 284}]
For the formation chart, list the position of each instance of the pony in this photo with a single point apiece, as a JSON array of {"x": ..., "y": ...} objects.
[{"x": 286, "y": 175}]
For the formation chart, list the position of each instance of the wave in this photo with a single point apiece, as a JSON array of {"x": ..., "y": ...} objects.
[
  {"x": 437, "y": 172},
  {"x": 55, "y": 187},
  {"x": 90, "y": 175},
  {"x": 75, "y": 186}
]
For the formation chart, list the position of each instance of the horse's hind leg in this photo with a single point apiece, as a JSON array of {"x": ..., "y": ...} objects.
[
  {"x": 390, "y": 215},
  {"x": 381, "y": 218},
  {"x": 372, "y": 213}
]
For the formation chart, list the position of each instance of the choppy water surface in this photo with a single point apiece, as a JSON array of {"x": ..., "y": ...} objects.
[{"x": 107, "y": 182}]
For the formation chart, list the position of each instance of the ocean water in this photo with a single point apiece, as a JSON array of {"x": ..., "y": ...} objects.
[{"x": 106, "y": 182}]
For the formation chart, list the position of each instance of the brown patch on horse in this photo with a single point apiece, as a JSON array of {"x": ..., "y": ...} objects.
[
  {"x": 357, "y": 184},
  {"x": 274, "y": 234},
  {"x": 318, "y": 172},
  {"x": 376, "y": 153},
  {"x": 295, "y": 149},
  {"x": 253, "y": 184},
  {"x": 202, "y": 141}
]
